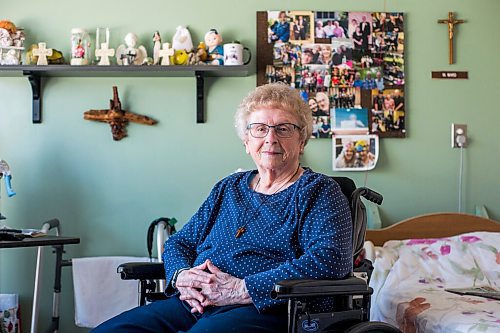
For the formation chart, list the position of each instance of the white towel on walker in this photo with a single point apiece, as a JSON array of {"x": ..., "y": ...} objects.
[{"x": 100, "y": 293}]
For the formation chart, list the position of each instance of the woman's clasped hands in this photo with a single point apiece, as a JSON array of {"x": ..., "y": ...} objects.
[{"x": 206, "y": 285}]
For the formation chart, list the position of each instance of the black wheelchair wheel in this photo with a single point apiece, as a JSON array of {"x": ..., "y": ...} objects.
[{"x": 373, "y": 327}]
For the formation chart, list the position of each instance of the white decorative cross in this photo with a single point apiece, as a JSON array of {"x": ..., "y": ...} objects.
[
  {"x": 104, "y": 53},
  {"x": 165, "y": 54},
  {"x": 42, "y": 52}
]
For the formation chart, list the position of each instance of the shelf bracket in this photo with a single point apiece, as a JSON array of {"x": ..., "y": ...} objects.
[
  {"x": 36, "y": 88},
  {"x": 200, "y": 96}
]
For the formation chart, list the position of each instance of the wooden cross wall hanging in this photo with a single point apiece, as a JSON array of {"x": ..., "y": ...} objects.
[
  {"x": 116, "y": 117},
  {"x": 451, "y": 21}
]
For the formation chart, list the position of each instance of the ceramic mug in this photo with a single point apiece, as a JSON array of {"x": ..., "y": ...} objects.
[{"x": 233, "y": 54}]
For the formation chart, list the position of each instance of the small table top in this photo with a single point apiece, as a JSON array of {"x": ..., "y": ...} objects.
[{"x": 40, "y": 241}]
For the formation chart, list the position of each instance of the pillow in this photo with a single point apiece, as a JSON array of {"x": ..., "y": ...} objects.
[{"x": 466, "y": 260}]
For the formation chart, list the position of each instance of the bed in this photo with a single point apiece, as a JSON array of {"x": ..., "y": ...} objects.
[{"x": 417, "y": 259}]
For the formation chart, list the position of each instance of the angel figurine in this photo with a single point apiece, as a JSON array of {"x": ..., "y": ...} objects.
[{"x": 128, "y": 54}]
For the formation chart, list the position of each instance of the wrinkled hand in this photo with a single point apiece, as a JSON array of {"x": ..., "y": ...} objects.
[
  {"x": 189, "y": 285},
  {"x": 206, "y": 285},
  {"x": 225, "y": 289}
]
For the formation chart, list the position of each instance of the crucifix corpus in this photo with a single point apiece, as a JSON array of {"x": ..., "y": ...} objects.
[
  {"x": 116, "y": 117},
  {"x": 451, "y": 21}
]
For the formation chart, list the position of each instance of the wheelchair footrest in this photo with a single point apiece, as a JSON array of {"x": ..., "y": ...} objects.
[{"x": 141, "y": 271}]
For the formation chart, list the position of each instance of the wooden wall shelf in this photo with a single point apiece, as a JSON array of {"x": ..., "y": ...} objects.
[{"x": 35, "y": 74}]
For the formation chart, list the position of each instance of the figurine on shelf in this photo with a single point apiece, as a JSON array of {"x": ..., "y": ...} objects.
[
  {"x": 56, "y": 58},
  {"x": 199, "y": 57},
  {"x": 80, "y": 47},
  {"x": 156, "y": 47},
  {"x": 182, "y": 39},
  {"x": 182, "y": 44},
  {"x": 103, "y": 54},
  {"x": 10, "y": 35},
  {"x": 102, "y": 50},
  {"x": 165, "y": 54},
  {"x": 8, "y": 25},
  {"x": 180, "y": 57},
  {"x": 10, "y": 58},
  {"x": 79, "y": 51},
  {"x": 128, "y": 54},
  {"x": 5, "y": 39},
  {"x": 213, "y": 41},
  {"x": 42, "y": 52},
  {"x": 11, "y": 43}
]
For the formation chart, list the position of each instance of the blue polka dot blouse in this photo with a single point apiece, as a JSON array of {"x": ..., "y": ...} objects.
[{"x": 304, "y": 231}]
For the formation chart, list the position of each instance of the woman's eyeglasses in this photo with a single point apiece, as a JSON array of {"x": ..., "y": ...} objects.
[{"x": 259, "y": 130}]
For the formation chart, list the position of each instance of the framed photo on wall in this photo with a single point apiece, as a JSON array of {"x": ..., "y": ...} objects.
[{"x": 339, "y": 61}]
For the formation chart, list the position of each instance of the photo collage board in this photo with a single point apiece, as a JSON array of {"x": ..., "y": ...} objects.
[{"x": 348, "y": 67}]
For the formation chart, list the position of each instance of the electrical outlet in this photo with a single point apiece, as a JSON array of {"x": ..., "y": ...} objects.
[{"x": 459, "y": 137}]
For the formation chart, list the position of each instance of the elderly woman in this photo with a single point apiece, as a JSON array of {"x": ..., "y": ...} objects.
[{"x": 280, "y": 221}]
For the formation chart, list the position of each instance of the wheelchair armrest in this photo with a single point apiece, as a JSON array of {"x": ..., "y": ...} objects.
[
  {"x": 141, "y": 271},
  {"x": 314, "y": 288}
]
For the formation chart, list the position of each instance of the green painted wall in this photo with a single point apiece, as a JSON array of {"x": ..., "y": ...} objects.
[{"x": 107, "y": 192}]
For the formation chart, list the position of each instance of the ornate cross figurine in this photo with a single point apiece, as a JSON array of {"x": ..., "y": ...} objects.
[
  {"x": 451, "y": 21},
  {"x": 42, "y": 52},
  {"x": 104, "y": 53},
  {"x": 165, "y": 54},
  {"x": 116, "y": 117}
]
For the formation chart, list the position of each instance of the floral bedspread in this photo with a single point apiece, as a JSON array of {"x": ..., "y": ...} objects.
[{"x": 410, "y": 277}]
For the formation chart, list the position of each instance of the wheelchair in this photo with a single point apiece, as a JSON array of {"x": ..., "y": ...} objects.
[{"x": 351, "y": 296}]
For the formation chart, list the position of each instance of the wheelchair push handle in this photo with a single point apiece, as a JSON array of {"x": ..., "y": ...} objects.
[{"x": 370, "y": 195}]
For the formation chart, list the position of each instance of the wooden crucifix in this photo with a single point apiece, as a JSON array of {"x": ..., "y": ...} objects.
[
  {"x": 451, "y": 21},
  {"x": 116, "y": 117}
]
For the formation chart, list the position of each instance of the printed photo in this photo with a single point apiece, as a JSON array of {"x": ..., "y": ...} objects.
[
  {"x": 355, "y": 152},
  {"x": 313, "y": 78},
  {"x": 331, "y": 25},
  {"x": 393, "y": 67},
  {"x": 360, "y": 31},
  {"x": 323, "y": 127},
  {"x": 388, "y": 113},
  {"x": 278, "y": 30},
  {"x": 286, "y": 54},
  {"x": 280, "y": 74},
  {"x": 342, "y": 97},
  {"x": 350, "y": 121},
  {"x": 301, "y": 26}
]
